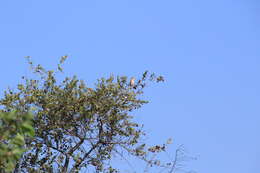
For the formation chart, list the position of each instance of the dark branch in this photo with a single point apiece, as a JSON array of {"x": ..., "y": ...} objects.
[{"x": 78, "y": 163}]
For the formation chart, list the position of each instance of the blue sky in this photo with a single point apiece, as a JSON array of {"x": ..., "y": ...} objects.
[{"x": 208, "y": 52}]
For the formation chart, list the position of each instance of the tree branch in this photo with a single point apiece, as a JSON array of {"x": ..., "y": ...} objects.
[
  {"x": 76, "y": 146},
  {"x": 78, "y": 163},
  {"x": 66, "y": 164}
]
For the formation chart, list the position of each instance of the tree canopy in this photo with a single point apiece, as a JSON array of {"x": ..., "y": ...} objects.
[{"x": 79, "y": 128}]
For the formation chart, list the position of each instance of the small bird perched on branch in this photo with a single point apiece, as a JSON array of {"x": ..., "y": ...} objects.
[{"x": 132, "y": 82}]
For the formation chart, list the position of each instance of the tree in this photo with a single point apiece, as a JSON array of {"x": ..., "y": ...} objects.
[
  {"x": 80, "y": 128},
  {"x": 14, "y": 127}
]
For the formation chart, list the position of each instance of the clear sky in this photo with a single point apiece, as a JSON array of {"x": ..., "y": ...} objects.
[{"x": 208, "y": 51}]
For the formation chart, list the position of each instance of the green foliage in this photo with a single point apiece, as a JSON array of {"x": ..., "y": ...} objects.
[
  {"x": 14, "y": 128},
  {"x": 78, "y": 127}
]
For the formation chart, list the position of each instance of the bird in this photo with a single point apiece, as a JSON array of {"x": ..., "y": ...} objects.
[
  {"x": 169, "y": 141},
  {"x": 132, "y": 82}
]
